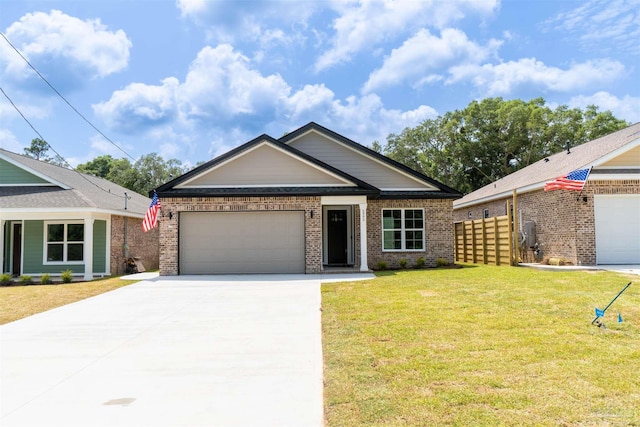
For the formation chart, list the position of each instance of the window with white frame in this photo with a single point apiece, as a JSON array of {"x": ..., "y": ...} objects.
[
  {"x": 402, "y": 229},
  {"x": 64, "y": 242}
]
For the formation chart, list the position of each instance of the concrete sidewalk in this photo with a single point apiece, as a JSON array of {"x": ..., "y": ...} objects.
[{"x": 195, "y": 351}]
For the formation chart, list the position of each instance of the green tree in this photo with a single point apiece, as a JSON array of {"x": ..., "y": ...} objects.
[
  {"x": 470, "y": 148},
  {"x": 38, "y": 150},
  {"x": 101, "y": 166},
  {"x": 146, "y": 174}
]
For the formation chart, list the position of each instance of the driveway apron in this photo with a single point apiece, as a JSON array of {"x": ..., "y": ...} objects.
[{"x": 188, "y": 351}]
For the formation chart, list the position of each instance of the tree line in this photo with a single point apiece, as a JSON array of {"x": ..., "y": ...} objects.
[
  {"x": 489, "y": 139},
  {"x": 464, "y": 149},
  {"x": 144, "y": 175}
]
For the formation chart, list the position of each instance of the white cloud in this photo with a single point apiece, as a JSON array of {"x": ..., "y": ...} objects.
[
  {"x": 611, "y": 26},
  {"x": 425, "y": 52},
  {"x": 627, "y": 107},
  {"x": 363, "y": 24},
  {"x": 9, "y": 142},
  {"x": 223, "y": 82},
  {"x": 61, "y": 45},
  {"x": 222, "y": 92},
  {"x": 504, "y": 78},
  {"x": 139, "y": 105},
  {"x": 256, "y": 20}
]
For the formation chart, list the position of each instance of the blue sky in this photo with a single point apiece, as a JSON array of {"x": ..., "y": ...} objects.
[{"x": 191, "y": 79}]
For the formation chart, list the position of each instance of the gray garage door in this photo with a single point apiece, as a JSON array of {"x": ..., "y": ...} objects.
[{"x": 241, "y": 242}]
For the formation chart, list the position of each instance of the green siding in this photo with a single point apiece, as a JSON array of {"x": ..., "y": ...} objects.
[
  {"x": 11, "y": 174},
  {"x": 33, "y": 234},
  {"x": 99, "y": 246}
]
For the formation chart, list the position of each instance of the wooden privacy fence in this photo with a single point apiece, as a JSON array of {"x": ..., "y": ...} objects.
[{"x": 485, "y": 241}]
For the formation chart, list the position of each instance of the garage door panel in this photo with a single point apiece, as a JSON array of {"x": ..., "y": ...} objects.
[
  {"x": 617, "y": 222},
  {"x": 242, "y": 242}
]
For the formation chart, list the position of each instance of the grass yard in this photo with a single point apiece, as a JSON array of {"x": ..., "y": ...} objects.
[
  {"x": 482, "y": 346},
  {"x": 17, "y": 302}
]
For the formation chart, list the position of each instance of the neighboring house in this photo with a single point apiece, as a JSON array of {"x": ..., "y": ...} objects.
[
  {"x": 54, "y": 219},
  {"x": 308, "y": 202},
  {"x": 599, "y": 226}
]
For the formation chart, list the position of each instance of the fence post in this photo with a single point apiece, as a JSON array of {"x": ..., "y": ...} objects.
[
  {"x": 496, "y": 241},
  {"x": 484, "y": 242},
  {"x": 516, "y": 229},
  {"x": 473, "y": 242},
  {"x": 510, "y": 231}
]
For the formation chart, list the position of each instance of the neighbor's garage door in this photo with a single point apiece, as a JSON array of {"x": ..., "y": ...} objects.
[
  {"x": 241, "y": 242},
  {"x": 617, "y": 229}
]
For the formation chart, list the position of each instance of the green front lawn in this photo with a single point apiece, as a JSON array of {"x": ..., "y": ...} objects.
[
  {"x": 17, "y": 302},
  {"x": 481, "y": 346}
]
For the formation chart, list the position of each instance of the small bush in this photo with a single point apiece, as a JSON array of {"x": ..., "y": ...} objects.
[
  {"x": 402, "y": 262},
  {"x": 5, "y": 279},
  {"x": 441, "y": 262},
  {"x": 25, "y": 279},
  {"x": 420, "y": 262},
  {"x": 66, "y": 276},
  {"x": 381, "y": 265},
  {"x": 45, "y": 279}
]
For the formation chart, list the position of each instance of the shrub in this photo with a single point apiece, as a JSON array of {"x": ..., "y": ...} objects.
[
  {"x": 45, "y": 279},
  {"x": 402, "y": 262},
  {"x": 5, "y": 279},
  {"x": 66, "y": 276},
  {"x": 381, "y": 265},
  {"x": 441, "y": 262},
  {"x": 25, "y": 279},
  {"x": 420, "y": 262}
]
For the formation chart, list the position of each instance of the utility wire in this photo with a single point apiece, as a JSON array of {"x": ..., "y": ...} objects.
[
  {"x": 66, "y": 163},
  {"x": 64, "y": 99}
]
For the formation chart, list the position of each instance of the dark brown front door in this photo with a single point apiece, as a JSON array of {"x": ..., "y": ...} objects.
[
  {"x": 17, "y": 249},
  {"x": 337, "y": 236}
]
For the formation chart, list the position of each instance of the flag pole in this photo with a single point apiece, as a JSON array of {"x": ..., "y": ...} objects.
[
  {"x": 585, "y": 184},
  {"x": 608, "y": 305}
]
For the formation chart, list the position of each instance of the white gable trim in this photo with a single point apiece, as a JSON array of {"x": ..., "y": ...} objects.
[
  {"x": 615, "y": 153},
  {"x": 426, "y": 184},
  {"x": 255, "y": 147},
  {"x": 47, "y": 178}
]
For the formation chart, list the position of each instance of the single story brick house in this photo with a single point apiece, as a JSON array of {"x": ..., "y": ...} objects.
[
  {"x": 308, "y": 202},
  {"x": 54, "y": 219},
  {"x": 599, "y": 226}
]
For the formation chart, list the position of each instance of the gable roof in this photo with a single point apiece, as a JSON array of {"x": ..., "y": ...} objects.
[
  {"x": 433, "y": 188},
  {"x": 534, "y": 176},
  {"x": 179, "y": 187},
  {"x": 66, "y": 189}
]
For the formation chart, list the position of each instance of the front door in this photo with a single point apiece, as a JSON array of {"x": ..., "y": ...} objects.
[
  {"x": 16, "y": 249},
  {"x": 337, "y": 236}
]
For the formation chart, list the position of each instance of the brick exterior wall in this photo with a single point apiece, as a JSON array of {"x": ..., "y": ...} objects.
[
  {"x": 565, "y": 226},
  {"x": 139, "y": 244},
  {"x": 169, "y": 240},
  {"x": 438, "y": 223},
  {"x": 438, "y": 232}
]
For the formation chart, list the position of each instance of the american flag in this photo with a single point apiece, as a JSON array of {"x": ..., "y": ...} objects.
[
  {"x": 151, "y": 217},
  {"x": 575, "y": 181}
]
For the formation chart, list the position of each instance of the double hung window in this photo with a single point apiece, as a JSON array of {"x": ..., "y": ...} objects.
[
  {"x": 403, "y": 229},
  {"x": 64, "y": 242}
]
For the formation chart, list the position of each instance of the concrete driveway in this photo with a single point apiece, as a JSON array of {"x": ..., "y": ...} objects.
[{"x": 188, "y": 351}]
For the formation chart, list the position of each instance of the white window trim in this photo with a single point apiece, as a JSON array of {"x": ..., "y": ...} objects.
[
  {"x": 45, "y": 243},
  {"x": 403, "y": 230}
]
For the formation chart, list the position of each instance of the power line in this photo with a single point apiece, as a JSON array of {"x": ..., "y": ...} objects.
[
  {"x": 66, "y": 163},
  {"x": 64, "y": 99}
]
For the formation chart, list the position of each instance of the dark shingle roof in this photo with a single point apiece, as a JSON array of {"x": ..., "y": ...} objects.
[
  {"x": 559, "y": 164},
  {"x": 84, "y": 191}
]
